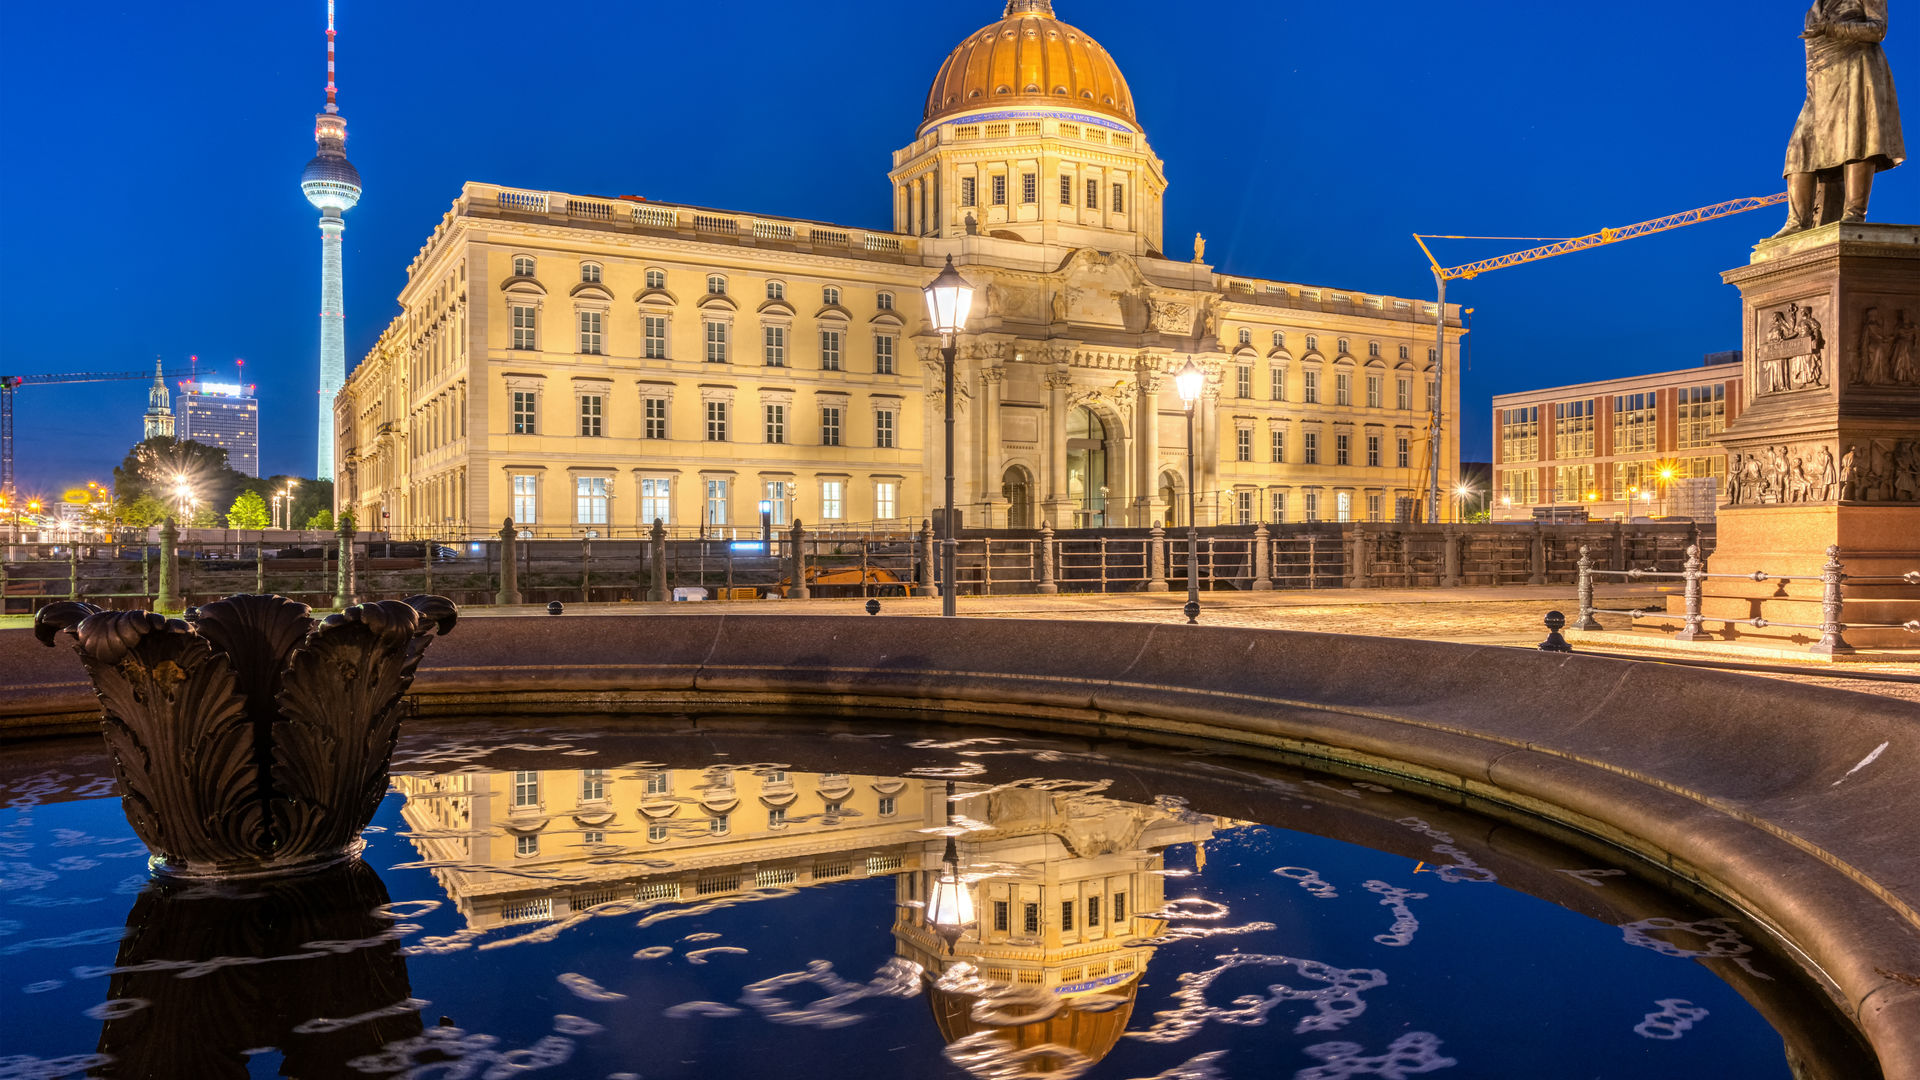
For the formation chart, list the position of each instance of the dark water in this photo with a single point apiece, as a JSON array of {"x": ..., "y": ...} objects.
[{"x": 734, "y": 898}]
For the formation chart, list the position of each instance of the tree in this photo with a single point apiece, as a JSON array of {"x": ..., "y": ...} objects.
[
  {"x": 144, "y": 511},
  {"x": 204, "y": 516},
  {"x": 249, "y": 511},
  {"x": 150, "y": 468},
  {"x": 321, "y": 520}
]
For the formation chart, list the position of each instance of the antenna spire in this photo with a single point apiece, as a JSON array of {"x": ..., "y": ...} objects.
[{"x": 332, "y": 91}]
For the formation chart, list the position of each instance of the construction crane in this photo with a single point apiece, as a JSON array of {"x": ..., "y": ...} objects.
[
  {"x": 10, "y": 383},
  {"x": 1469, "y": 271}
]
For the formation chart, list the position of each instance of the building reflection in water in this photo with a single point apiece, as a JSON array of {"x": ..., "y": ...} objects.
[{"x": 1064, "y": 883}]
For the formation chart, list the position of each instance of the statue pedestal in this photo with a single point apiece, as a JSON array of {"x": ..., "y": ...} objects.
[{"x": 1827, "y": 450}]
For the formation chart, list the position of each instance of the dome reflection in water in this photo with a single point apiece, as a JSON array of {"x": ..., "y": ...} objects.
[{"x": 715, "y": 900}]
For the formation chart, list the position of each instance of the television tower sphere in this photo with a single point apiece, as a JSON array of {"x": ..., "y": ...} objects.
[{"x": 330, "y": 181}]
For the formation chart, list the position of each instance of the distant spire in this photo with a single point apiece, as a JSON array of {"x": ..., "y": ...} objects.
[
  {"x": 1043, "y": 8},
  {"x": 331, "y": 90}
]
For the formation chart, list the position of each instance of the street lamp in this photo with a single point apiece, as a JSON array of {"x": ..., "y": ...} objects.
[
  {"x": 1632, "y": 490},
  {"x": 950, "y": 901},
  {"x": 949, "y": 299},
  {"x": 1190, "y": 382},
  {"x": 1463, "y": 492}
]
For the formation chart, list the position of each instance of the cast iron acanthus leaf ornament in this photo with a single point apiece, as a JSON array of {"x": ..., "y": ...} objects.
[{"x": 252, "y": 739}]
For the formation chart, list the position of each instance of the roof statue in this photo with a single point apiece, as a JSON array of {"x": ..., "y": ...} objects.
[{"x": 1849, "y": 128}]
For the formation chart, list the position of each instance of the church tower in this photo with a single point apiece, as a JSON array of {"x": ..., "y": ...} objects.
[
  {"x": 159, "y": 418},
  {"x": 332, "y": 185},
  {"x": 1029, "y": 134}
]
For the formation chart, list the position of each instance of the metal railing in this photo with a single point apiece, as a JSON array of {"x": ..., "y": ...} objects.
[{"x": 1831, "y": 627}]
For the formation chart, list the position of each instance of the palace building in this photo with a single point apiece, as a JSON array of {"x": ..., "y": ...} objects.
[{"x": 586, "y": 365}]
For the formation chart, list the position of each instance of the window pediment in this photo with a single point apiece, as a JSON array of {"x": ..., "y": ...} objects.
[
  {"x": 655, "y": 296},
  {"x": 889, "y": 786},
  {"x": 888, "y": 318},
  {"x": 593, "y": 819},
  {"x": 834, "y": 311},
  {"x": 660, "y": 809},
  {"x": 1313, "y": 356},
  {"x": 718, "y": 300},
  {"x": 592, "y": 289},
  {"x": 522, "y": 283},
  {"x": 779, "y": 799},
  {"x": 776, "y": 307}
]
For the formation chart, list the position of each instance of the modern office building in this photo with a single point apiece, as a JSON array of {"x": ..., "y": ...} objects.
[
  {"x": 591, "y": 364},
  {"x": 223, "y": 415},
  {"x": 1623, "y": 447}
]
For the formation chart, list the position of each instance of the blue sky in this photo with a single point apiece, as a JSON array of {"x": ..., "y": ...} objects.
[{"x": 151, "y": 204}]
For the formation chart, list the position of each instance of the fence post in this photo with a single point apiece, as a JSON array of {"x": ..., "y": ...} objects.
[
  {"x": 1157, "y": 559},
  {"x": 168, "y": 598},
  {"x": 1047, "y": 585},
  {"x": 1619, "y": 547},
  {"x": 1359, "y": 566},
  {"x": 799, "y": 590},
  {"x": 1586, "y": 620},
  {"x": 1262, "y": 559},
  {"x": 1833, "y": 632},
  {"x": 986, "y": 565},
  {"x": 925, "y": 588},
  {"x": 509, "y": 565},
  {"x": 343, "y": 598},
  {"x": 260, "y": 568},
  {"x": 1450, "y": 547},
  {"x": 146, "y": 571},
  {"x": 427, "y": 558},
  {"x": 1696, "y": 573},
  {"x": 1537, "y": 556},
  {"x": 73, "y": 571},
  {"x": 658, "y": 590},
  {"x": 586, "y": 569}
]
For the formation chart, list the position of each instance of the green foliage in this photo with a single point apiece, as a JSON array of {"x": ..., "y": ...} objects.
[
  {"x": 205, "y": 517},
  {"x": 142, "y": 512},
  {"x": 249, "y": 511},
  {"x": 321, "y": 520},
  {"x": 150, "y": 466}
]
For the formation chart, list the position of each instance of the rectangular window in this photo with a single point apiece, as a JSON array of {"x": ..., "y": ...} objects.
[
  {"x": 593, "y": 785},
  {"x": 886, "y": 504},
  {"x": 1342, "y": 449},
  {"x": 1066, "y": 916},
  {"x": 1404, "y": 457},
  {"x": 999, "y": 191},
  {"x": 1243, "y": 445},
  {"x": 1702, "y": 414},
  {"x": 1093, "y": 194},
  {"x": 590, "y": 499},
  {"x": 1433, "y": 396},
  {"x": 656, "y": 500},
  {"x": 776, "y": 423},
  {"x": 830, "y": 426},
  {"x": 1634, "y": 423},
  {"x": 1342, "y": 388},
  {"x": 1343, "y": 503},
  {"x": 1243, "y": 381},
  {"x": 717, "y": 825},
  {"x": 591, "y": 326},
  {"x": 1243, "y": 514},
  {"x": 716, "y": 343},
  {"x": 1373, "y": 391},
  {"x": 883, "y": 430},
  {"x": 526, "y": 789},
  {"x": 716, "y": 421},
  {"x": 779, "y": 499},
  {"x": 1375, "y": 504},
  {"x": 526, "y": 412},
  {"x": 777, "y": 818},
  {"x": 1403, "y": 395},
  {"x": 1279, "y": 382},
  {"x": 1119, "y": 207},
  {"x": 1521, "y": 485},
  {"x": 655, "y": 328},
  {"x": 1520, "y": 434},
  {"x": 888, "y": 807},
  {"x": 592, "y": 414},
  {"x": 829, "y": 350},
  {"x": 523, "y": 326},
  {"x": 1312, "y": 388},
  {"x": 1313, "y": 506},
  {"x": 776, "y": 345},
  {"x": 1573, "y": 483},
  {"x": 655, "y": 417},
  {"x": 1029, "y": 189},
  {"x": 1278, "y": 437},
  {"x": 1313, "y": 447},
  {"x": 1002, "y": 916},
  {"x": 833, "y": 500},
  {"x": 525, "y": 500},
  {"x": 1066, "y": 190},
  {"x": 1373, "y": 451},
  {"x": 1276, "y": 510},
  {"x": 969, "y": 191},
  {"x": 526, "y": 845},
  {"x": 1030, "y": 918},
  {"x": 717, "y": 503},
  {"x": 658, "y": 783},
  {"x": 1573, "y": 429},
  {"x": 1119, "y": 907},
  {"x": 883, "y": 355}
]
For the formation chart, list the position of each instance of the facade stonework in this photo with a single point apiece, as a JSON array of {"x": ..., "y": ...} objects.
[{"x": 589, "y": 365}]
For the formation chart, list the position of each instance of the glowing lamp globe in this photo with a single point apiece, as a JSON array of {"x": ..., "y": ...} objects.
[
  {"x": 949, "y": 300},
  {"x": 1190, "y": 382}
]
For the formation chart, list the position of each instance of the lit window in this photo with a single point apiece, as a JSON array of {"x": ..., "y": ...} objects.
[
  {"x": 779, "y": 498},
  {"x": 830, "y": 296},
  {"x": 656, "y": 500},
  {"x": 525, "y": 499},
  {"x": 830, "y": 425},
  {"x": 883, "y": 354},
  {"x": 590, "y": 495},
  {"x": 716, "y": 285},
  {"x": 654, "y": 411},
  {"x": 1343, "y": 504},
  {"x": 525, "y": 414},
  {"x": 523, "y": 326},
  {"x": 776, "y": 345},
  {"x": 776, "y": 423},
  {"x": 716, "y": 343},
  {"x": 776, "y": 290},
  {"x": 655, "y": 328},
  {"x": 717, "y": 510},
  {"x": 886, "y": 508},
  {"x": 833, "y": 500},
  {"x": 590, "y": 272},
  {"x": 830, "y": 350},
  {"x": 656, "y": 279},
  {"x": 883, "y": 430},
  {"x": 716, "y": 421},
  {"x": 591, "y": 324},
  {"x": 522, "y": 266},
  {"x": 591, "y": 414}
]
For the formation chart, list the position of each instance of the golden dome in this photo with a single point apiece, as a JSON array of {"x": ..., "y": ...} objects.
[{"x": 1027, "y": 59}]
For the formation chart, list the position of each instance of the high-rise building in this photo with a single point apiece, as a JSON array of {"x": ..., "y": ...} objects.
[
  {"x": 332, "y": 185},
  {"x": 223, "y": 415},
  {"x": 159, "y": 419}
]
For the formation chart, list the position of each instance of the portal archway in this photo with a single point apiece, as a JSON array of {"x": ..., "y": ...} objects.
[
  {"x": 1171, "y": 489},
  {"x": 1016, "y": 486},
  {"x": 1087, "y": 482}
]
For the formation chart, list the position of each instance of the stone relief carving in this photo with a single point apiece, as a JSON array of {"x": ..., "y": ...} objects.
[
  {"x": 1792, "y": 353},
  {"x": 1170, "y": 317},
  {"x": 1881, "y": 470},
  {"x": 1786, "y": 473},
  {"x": 1886, "y": 354},
  {"x": 1118, "y": 397}
]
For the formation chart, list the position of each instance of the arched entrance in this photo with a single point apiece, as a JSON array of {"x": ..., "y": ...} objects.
[
  {"x": 1170, "y": 499},
  {"x": 1016, "y": 486},
  {"x": 1087, "y": 468}
]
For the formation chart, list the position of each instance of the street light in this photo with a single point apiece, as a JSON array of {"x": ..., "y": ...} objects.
[
  {"x": 1632, "y": 490},
  {"x": 949, "y": 299},
  {"x": 1190, "y": 382},
  {"x": 1463, "y": 492},
  {"x": 950, "y": 901}
]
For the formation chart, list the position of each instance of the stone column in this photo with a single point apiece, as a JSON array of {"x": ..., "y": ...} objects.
[
  {"x": 1360, "y": 560},
  {"x": 1058, "y": 507},
  {"x": 509, "y": 565},
  {"x": 1047, "y": 584},
  {"x": 1147, "y": 419},
  {"x": 988, "y": 453},
  {"x": 168, "y": 599},
  {"x": 1157, "y": 560},
  {"x": 925, "y": 588},
  {"x": 1450, "y": 538},
  {"x": 1207, "y": 431},
  {"x": 1537, "y": 556},
  {"x": 799, "y": 591},
  {"x": 343, "y": 597},
  {"x": 657, "y": 549},
  {"x": 1262, "y": 559}
]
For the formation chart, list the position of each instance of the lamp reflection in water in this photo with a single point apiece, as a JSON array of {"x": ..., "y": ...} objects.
[{"x": 950, "y": 901}]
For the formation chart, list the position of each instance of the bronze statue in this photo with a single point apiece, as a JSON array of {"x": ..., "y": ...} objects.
[{"x": 1849, "y": 128}]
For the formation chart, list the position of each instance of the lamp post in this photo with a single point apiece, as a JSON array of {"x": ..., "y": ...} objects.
[
  {"x": 1632, "y": 490},
  {"x": 950, "y": 901},
  {"x": 766, "y": 526},
  {"x": 1190, "y": 382},
  {"x": 1464, "y": 492},
  {"x": 949, "y": 299}
]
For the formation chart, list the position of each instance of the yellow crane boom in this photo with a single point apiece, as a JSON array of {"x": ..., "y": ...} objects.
[{"x": 1469, "y": 271}]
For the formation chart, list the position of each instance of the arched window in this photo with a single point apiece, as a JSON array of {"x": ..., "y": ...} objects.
[
  {"x": 1279, "y": 339},
  {"x": 590, "y": 272},
  {"x": 1087, "y": 467},
  {"x": 776, "y": 290},
  {"x": 716, "y": 285},
  {"x": 656, "y": 279},
  {"x": 523, "y": 266},
  {"x": 830, "y": 296},
  {"x": 1170, "y": 499},
  {"x": 1246, "y": 336}
]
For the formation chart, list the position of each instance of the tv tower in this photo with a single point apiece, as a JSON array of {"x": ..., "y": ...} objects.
[{"x": 332, "y": 185}]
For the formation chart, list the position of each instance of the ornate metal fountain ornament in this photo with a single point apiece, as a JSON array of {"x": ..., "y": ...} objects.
[{"x": 251, "y": 739}]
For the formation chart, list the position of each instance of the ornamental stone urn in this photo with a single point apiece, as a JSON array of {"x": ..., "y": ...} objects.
[{"x": 251, "y": 739}]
